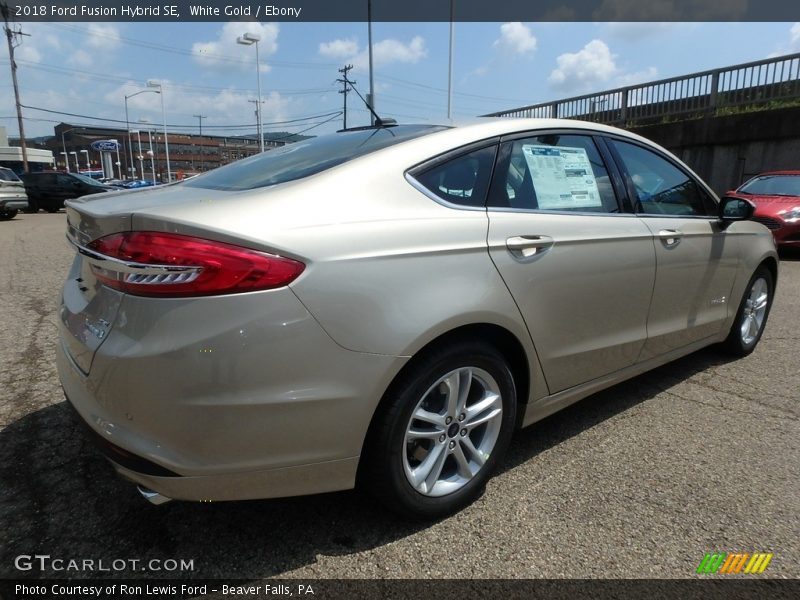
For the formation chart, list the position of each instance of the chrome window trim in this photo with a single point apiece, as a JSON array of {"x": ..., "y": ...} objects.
[{"x": 421, "y": 188}]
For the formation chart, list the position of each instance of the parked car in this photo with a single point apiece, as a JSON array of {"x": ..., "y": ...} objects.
[
  {"x": 776, "y": 195},
  {"x": 384, "y": 306},
  {"x": 137, "y": 183},
  {"x": 12, "y": 194},
  {"x": 49, "y": 189}
]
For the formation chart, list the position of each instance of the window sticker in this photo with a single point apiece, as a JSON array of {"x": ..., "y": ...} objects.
[{"x": 562, "y": 177}]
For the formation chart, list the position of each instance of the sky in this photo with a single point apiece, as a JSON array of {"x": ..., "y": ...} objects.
[{"x": 88, "y": 69}]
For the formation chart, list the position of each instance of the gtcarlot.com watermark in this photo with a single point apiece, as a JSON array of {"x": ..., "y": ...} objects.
[{"x": 50, "y": 564}]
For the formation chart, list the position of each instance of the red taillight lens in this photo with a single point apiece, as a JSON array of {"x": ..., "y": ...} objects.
[{"x": 173, "y": 265}]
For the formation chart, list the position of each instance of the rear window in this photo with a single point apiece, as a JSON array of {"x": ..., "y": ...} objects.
[
  {"x": 301, "y": 159},
  {"x": 773, "y": 185}
]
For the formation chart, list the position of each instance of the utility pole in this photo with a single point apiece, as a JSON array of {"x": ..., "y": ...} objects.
[
  {"x": 258, "y": 104},
  {"x": 201, "y": 117},
  {"x": 13, "y": 42},
  {"x": 345, "y": 89}
]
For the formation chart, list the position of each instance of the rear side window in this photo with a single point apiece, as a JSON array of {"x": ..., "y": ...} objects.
[
  {"x": 463, "y": 180},
  {"x": 660, "y": 187},
  {"x": 305, "y": 158}
]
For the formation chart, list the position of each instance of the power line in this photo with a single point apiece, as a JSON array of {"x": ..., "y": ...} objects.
[
  {"x": 175, "y": 126},
  {"x": 65, "y": 71},
  {"x": 184, "y": 52}
]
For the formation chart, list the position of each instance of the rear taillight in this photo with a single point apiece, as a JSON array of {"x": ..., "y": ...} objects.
[{"x": 147, "y": 263}]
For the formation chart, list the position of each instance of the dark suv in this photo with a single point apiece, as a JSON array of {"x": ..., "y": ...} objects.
[{"x": 49, "y": 189}]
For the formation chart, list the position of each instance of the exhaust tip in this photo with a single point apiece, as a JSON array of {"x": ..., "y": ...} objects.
[{"x": 153, "y": 497}]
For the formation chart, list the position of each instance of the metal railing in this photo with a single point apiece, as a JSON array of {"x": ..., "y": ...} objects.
[{"x": 764, "y": 82}]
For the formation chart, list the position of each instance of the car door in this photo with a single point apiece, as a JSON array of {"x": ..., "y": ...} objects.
[
  {"x": 580, "y": 269},
  {"x": 67, "y": 187},
  {"x": 696, "y": 258},
  {"x": 47, "y": 186}
]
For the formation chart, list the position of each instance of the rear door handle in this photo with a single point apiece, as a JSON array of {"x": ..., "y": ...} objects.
[
  {"x": 670, "y": 237},
  {"x": 526, "y": 246}
]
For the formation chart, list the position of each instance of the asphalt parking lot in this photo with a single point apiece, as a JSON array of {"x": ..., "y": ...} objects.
[{"x": 638, "y": 481}]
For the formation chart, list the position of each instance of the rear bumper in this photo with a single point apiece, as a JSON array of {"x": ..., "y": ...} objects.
[
  {"x": 227, "y": 398},
  {"x": 14, "y": 203}
]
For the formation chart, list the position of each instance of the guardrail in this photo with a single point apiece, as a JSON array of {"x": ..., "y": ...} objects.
[{"x": 760, "y": 83}]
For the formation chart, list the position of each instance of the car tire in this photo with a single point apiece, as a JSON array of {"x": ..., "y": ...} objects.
[
  {"x": 458, "y": 443},
  {"x": 52, "y": 206},
  {"x": 7, "y": 215},
  {"x": 751, "y": 317}
]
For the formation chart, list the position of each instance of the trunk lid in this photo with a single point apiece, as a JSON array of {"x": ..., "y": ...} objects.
[{"x": 89, "y": 308}]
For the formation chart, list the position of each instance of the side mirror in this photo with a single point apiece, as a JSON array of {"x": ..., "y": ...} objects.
[{"x": 733, "y": 209}]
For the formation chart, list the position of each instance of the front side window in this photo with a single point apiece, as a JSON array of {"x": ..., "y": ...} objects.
[
  {"x": 463, "y": 180},
  {"x": 660, "y": 187},
  {"x": 553, "y": 172}
]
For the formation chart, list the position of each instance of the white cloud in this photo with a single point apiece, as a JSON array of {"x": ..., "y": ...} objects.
[
  {"x": 591, "y": 66},
  {"x": 80, "y": 58},
  {"x": 103, "y": 35},
  {"x": 339, "y": 48},
  {"x": 792, "y": 46},
  {"x": 224, "y": 53},
  {"x": 28, "y": 52},
  {"x": 516, "y": 38},
  {"x": 224, "y": 107},
  {"x": 626, "y": 79},
  {"x": 385, "y": 52}
]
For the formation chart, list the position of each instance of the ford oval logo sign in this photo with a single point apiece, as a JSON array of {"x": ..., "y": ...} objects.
[{"x": 105, "y": 145}]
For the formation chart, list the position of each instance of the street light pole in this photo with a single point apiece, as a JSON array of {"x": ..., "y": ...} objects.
[
  {"x": 249, "y": 39},
  {"x": 450, "y": 64},
  {"x": 369, "y": 43},
  {"x": 128, "y": 125},
  {"x": 141, "y": 158},
  {"x": 150, "y": 151},
  {"x": 152, "y": 83},
  {"x": 64, "y": 146},
  {"x": 128, "y": 129}
]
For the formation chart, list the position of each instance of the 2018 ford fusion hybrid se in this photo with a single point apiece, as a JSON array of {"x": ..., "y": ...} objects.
[{"x": 384, "y": 306}]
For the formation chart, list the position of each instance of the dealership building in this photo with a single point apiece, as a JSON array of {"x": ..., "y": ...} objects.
[{"x": 79, "y": 148}]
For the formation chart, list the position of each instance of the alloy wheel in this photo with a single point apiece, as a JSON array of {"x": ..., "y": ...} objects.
[
  {"x": 452, "y": 431},
  {"x": 755, "y": 309}
]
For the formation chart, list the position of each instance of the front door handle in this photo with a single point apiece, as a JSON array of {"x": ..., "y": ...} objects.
[
  {"x": 670, "y": 237},
  {"x": 526, "y": 246}
]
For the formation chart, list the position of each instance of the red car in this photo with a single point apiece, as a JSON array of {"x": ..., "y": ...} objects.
[{"x": 776, "y": 195}]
